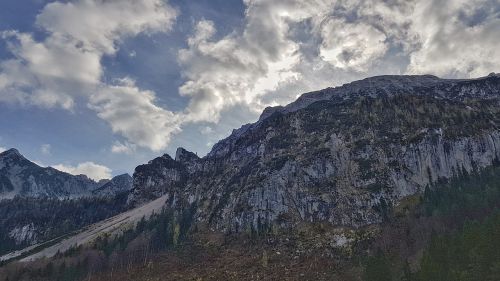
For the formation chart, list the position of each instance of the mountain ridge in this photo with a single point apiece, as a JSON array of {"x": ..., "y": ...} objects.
[
  {"x": 341, "y": 155},
  {"x": 21, "y": 177}
]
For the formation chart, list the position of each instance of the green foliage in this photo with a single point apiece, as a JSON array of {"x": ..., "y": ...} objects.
[
  {"x": 468, "y": 254},
  {"x": 164, "y": 230},
  {"x": 52, "y": 217},
  {"x": 459, "y": 231},
  {"x": 377, "y": 268},
  {"x": 464, "y": 196}
]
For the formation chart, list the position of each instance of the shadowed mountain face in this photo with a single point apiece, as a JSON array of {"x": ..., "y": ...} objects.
[
  {"x": 38, "y": 204},
  {"x": 341, "y": 155},
  {"x": 21, "y": 177}
]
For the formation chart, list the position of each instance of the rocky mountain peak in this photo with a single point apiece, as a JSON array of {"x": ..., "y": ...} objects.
[
  {"x": 184, "y": 156},
  {"x": 13, "y": 155},
  {"x": 10, "y": 152},
  {"x": 118, "y": 184},
  {"x": 13, "y": 158}
]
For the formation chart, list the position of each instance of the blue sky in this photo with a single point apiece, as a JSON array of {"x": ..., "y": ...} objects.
[{"x": 99, "y": 87}]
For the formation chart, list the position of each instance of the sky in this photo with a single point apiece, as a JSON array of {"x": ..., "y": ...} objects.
[{"x": 98, "y": 87}]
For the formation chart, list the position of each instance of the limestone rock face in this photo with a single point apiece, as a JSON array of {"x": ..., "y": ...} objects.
[{"x": 341, "y": 155}]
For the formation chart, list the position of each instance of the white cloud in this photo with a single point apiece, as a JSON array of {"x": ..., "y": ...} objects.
[
  {"x": 90, "y": 169},
  {"x": 125, "y": 148},
  {"x": 133, "y": 114},
  {"x": 351, "y": 45},
  {"x": 206, "y": 130},
  {"x": 268, "y": 63},
  {"x": 240, "y": 68},
  {"x": 2, "y": 149},
  {"x": 45, "y": 149},
  {"x": 284, "y": 48},
  {"x": 98, "y": 25},
  {"x": 66, "y": 65},
  {"x": 458, "y": 38}
]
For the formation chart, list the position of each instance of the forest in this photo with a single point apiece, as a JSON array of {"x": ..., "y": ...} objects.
[{"x": 48, "y": 218}]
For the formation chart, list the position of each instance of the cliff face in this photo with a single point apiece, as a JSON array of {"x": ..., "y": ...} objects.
[{"x": 342, "y": 155}]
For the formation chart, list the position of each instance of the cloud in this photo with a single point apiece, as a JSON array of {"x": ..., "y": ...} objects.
[
  {"x": 98, "y": 25},
  {"x": 2, "y": 149},
  {"x": 288, "y": 47},
  {"x": 458, "y": 38},
  {"x": 125, "y": 148},
  {"x": 133, "y": 114},
  {"x": 206, "y": 130},
  {"x": 65, "y": 67},
  {"x": 282, "y": 49},
  {"x": 285, "y": 48},
  {"x": 351, "y": 45},
  {"x": 90, "y": 169},
  {"x": 239, "y": 68},
  {"x": 45, "y": 149}
]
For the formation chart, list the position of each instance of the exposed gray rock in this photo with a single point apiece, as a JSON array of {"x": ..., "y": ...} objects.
[{"x": 341, "y": 155}]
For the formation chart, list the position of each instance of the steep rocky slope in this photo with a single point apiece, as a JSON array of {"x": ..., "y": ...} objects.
[{"x": 342, "y": 155}]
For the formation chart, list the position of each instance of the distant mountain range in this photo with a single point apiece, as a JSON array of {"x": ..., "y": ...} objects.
[
  {"x": 21, "y": 177},
  {"x": 38, "y": 204}
]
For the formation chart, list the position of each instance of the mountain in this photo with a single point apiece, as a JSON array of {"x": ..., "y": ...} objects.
[
  {"x": 118, "y": 184},
  {"x": 387, "y": 178},
  {"x": 21, "y": 177},
  {"x": 38, "y": 204},
  {"x": 343, "y": 155}
]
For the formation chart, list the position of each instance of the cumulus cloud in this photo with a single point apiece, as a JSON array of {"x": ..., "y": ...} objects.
[
  {"x": 2, "y": 149},
  {"x": 66, "y": 65},
  {"x": 45, "y": 149},
  {"x": 123, "y": 148},
  {"x": 239, "y": 68},
  {"x": 98, "y": 25},
  {"x": 458, "y": 38},
  {"x": 283, "y": 48},
  {"x": 133, "y": 114},
  {"x": 256, "y": 66},
  {"x": 351, "y": 45},
  {"x": 90, "y": 169},
  {"x": 267, "y": 63}
]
